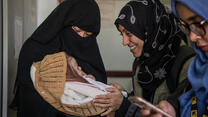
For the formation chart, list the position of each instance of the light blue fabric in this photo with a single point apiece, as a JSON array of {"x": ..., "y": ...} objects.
[
  {"x": 185, "y": 105},
  {"x": 198, "y": 77},
  {"x": 200, "y": 7}
]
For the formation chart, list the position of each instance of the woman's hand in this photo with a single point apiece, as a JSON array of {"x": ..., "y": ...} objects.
[
  {"x": 163, "y": 105},
  {"x": 118, "y": 86},
  {"x": 112, "y": 100}
]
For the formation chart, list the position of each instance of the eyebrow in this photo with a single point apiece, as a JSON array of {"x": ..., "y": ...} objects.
[{"x": 192, "y": 18}]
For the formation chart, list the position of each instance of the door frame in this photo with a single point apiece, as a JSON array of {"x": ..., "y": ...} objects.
[{"x": 4, "y": 57}]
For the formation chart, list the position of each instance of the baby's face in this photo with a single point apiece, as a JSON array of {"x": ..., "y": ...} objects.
[{"x": 74, "y": 71}]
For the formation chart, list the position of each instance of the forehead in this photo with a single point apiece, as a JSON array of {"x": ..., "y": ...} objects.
[{"x": 186, "y": 14}]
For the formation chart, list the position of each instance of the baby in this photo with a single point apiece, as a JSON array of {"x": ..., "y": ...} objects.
[{"x": 62, "y": 83}]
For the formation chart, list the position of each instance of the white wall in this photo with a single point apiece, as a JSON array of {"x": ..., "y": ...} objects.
[{"x": 44, "y": 8}]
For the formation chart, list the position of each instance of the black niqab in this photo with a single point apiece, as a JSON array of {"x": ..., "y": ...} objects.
[{"x": 54, "y": 35}]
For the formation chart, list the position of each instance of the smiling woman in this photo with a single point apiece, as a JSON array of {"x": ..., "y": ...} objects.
[
  {"x": 150, "y": 31},
  {"x": 194, "y": 101},
  {"x": 134, "y": 43}
]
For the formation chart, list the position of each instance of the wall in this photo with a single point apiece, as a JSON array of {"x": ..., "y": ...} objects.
[
  {"x": 44, "y": 8},
  {"x": 15, "y": 12}
]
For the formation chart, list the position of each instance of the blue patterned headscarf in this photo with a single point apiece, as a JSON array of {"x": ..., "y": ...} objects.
[{"x": 198, "y": 70}]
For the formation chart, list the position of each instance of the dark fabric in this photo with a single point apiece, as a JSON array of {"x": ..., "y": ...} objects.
[
  {"x": 85, "y": 15},
  {"x": 133, "y": 111},
  {"x": 183, "y": 87},
  {"x": 54, "y": 35},
  {"x": 184, "y": 54},
  {"x": 154, "y": 24},
  {"x": 86, "y": 52},
  {"x": 121, "y": 112},
  {"x": 128, "y": 109}
]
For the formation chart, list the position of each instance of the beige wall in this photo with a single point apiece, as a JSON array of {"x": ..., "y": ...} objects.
[{"x": 32, "y": 12}]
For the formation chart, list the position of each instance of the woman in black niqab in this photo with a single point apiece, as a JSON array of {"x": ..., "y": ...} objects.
[{"x": 55, "y": 34}]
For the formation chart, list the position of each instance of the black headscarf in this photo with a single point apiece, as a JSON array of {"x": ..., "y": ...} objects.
[
  {"x": 153, "y": 23},
  {"x": 85, "y": 15},
  {"x": 55, "y": 34}
]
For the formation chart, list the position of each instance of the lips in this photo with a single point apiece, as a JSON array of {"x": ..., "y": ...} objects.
[{"x": 204, "y": 48}]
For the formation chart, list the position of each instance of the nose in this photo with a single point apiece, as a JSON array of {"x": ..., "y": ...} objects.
[
  {"x": 125, "y": 40},
  {"x": 194, "y": 37}
]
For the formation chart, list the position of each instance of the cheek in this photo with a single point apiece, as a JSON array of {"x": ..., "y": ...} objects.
[
  {"x": 141, "y": 45},
  {"x": 139, "y": 48},
  {"x": 206, "y": 36}
]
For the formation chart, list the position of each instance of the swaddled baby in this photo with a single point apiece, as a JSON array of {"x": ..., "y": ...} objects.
[{"x": 62, "y": 83}]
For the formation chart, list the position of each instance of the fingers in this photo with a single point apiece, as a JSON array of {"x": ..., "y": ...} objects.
[
  {"x": 148, "y": 113},
  {"x": 145, "y": 112},
  {"x": 102, "y": 105},
  {"x": 117, "y": 86},
  {"x": 163, "y": 105},
  {"x": 167, "y": 107},
  {"x": 156, "y": 115},
  {"x": 102, "y": 101},
  {"x": 105, "y": 96},
  {"x": 110, "y": 101},
  {"x": 112, "y": 90}
]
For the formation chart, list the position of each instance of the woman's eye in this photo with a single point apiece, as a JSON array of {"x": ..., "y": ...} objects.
[
  {"x": 78, "y": 31},
  {"x": 128, "y": 34},
  {"x": 87, "y": 35}
]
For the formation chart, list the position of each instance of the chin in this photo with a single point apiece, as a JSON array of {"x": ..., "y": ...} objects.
[{"x": 136, "y": 55}]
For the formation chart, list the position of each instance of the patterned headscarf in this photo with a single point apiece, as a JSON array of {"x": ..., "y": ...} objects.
[{"x": 153, "y": 23}]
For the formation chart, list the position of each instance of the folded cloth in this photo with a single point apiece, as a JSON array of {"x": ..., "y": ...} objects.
[{"x": 75, "y": 98}]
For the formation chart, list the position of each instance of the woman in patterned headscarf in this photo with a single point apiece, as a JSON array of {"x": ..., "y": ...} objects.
[
  {"x": 194, "y": 18},
  {"x": 72, "y": 27},
  {"x": 149, "y": 29}
]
